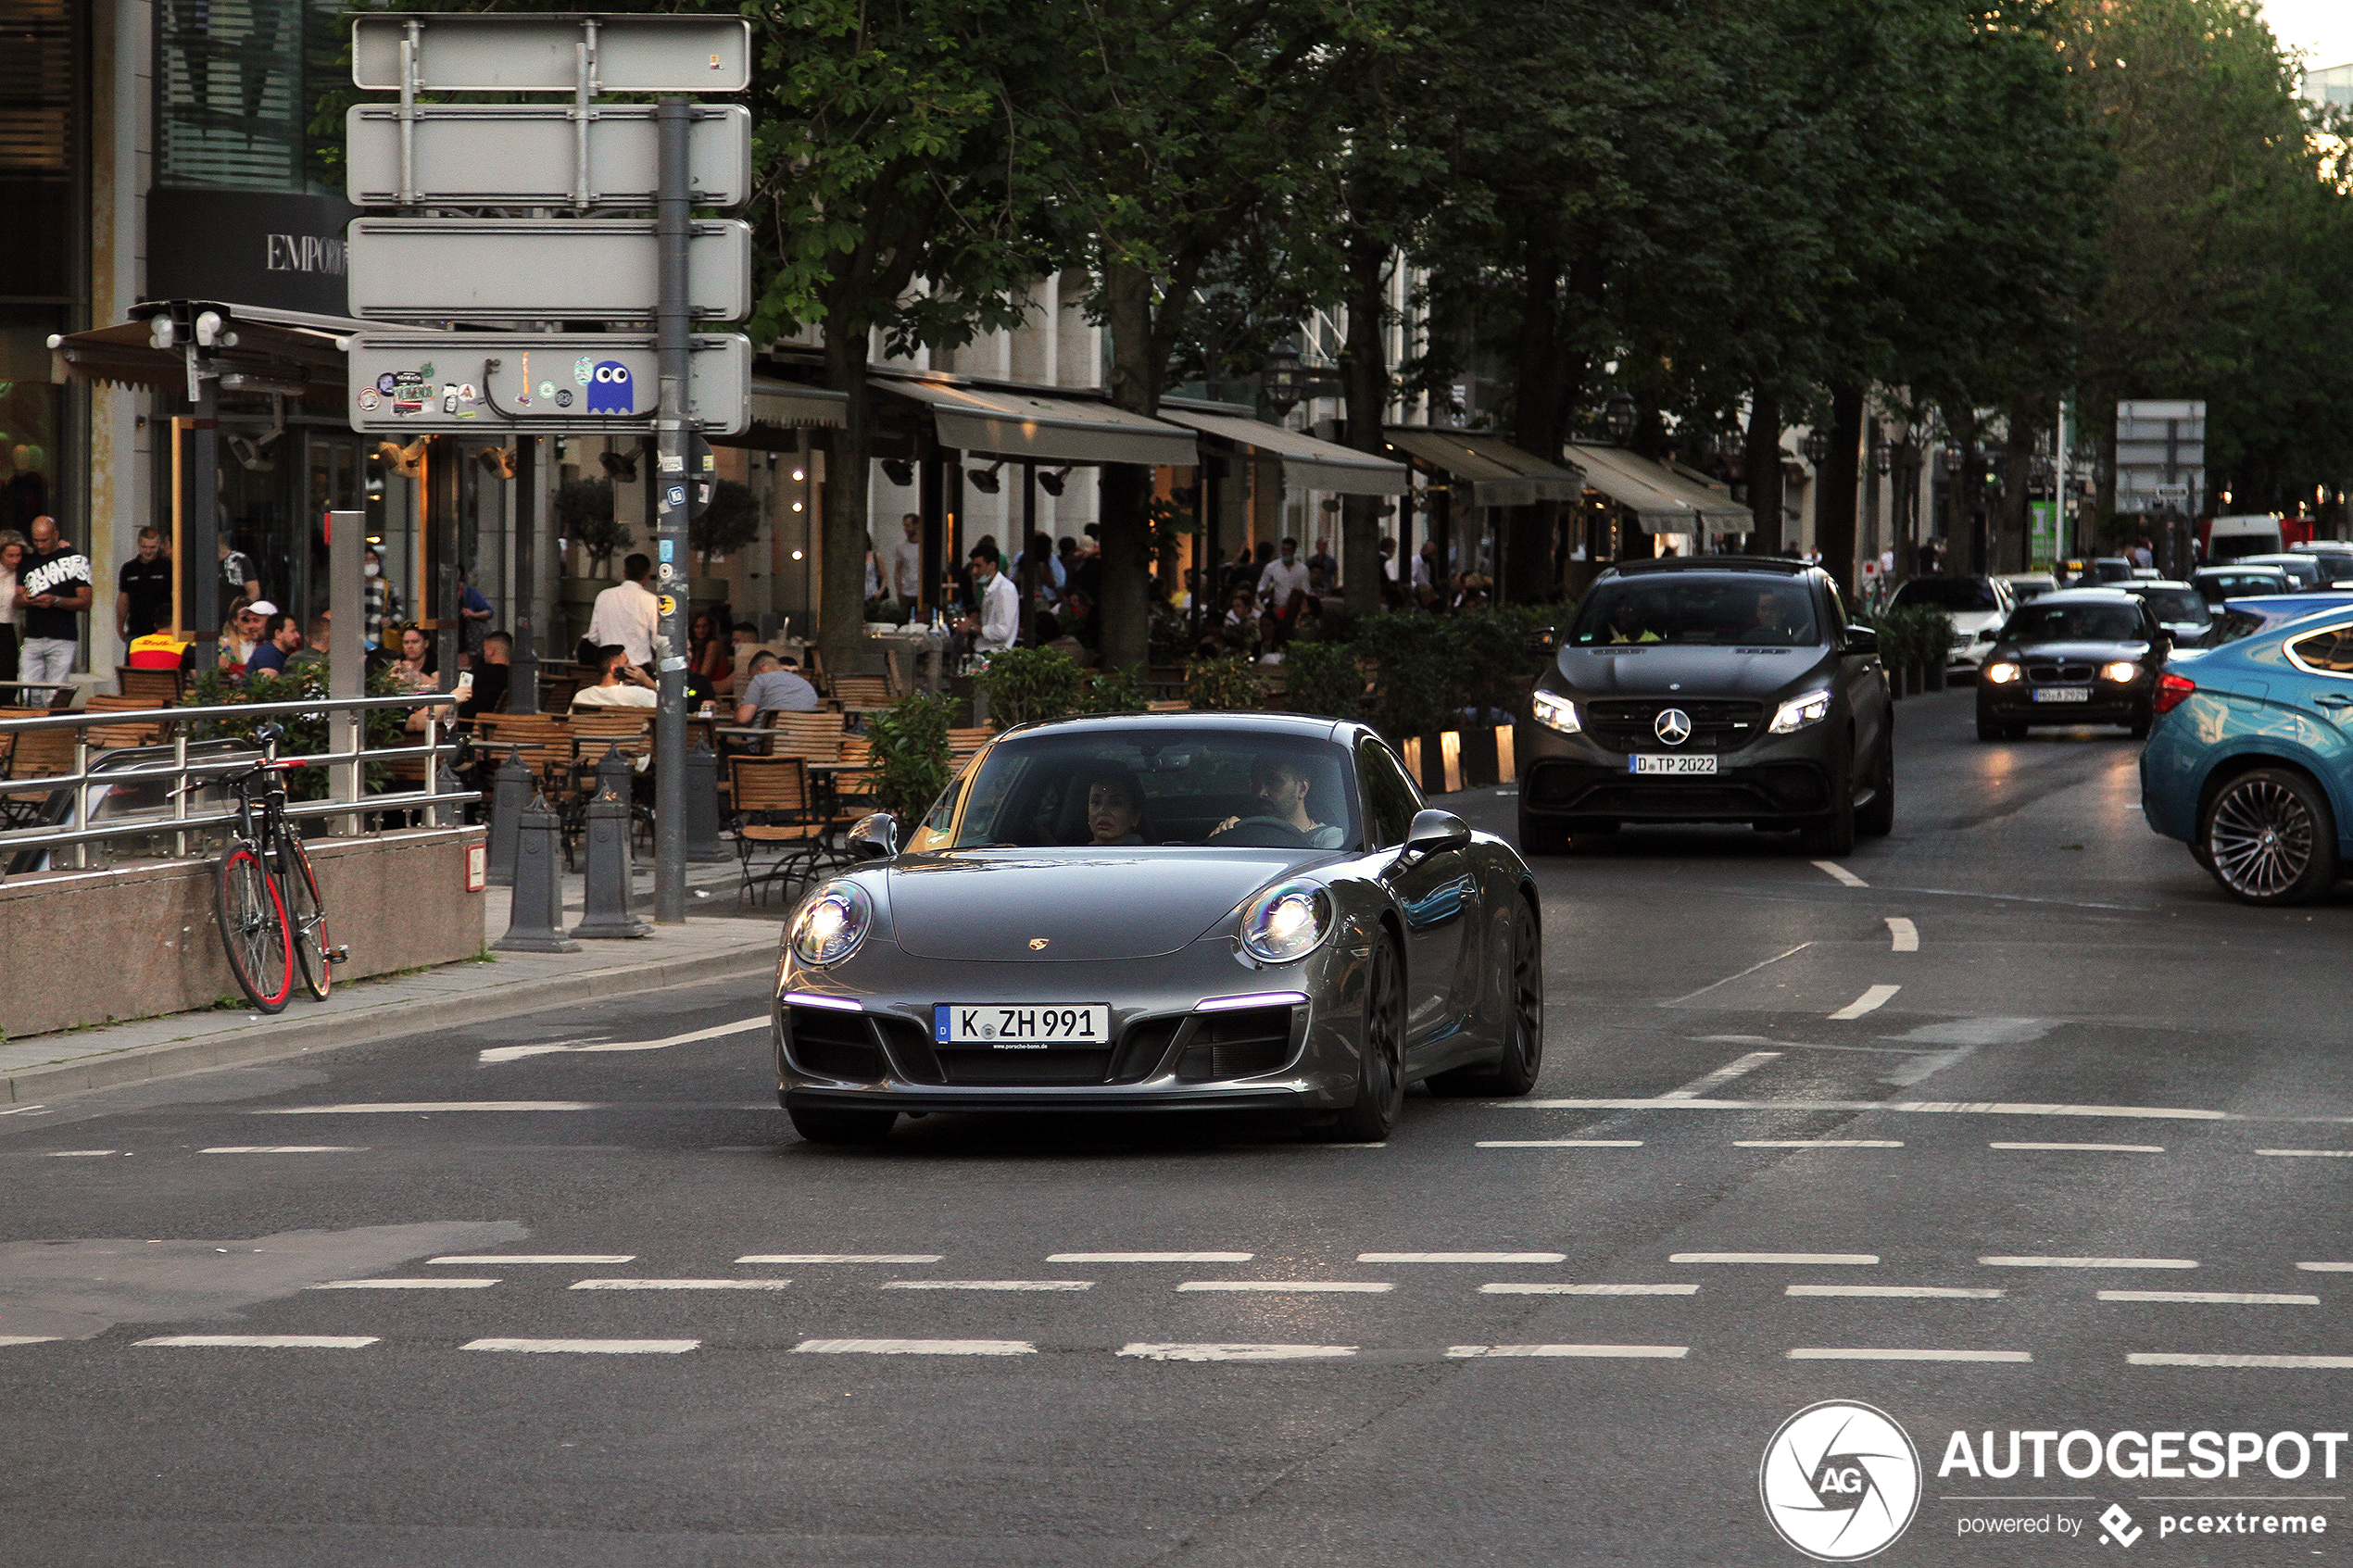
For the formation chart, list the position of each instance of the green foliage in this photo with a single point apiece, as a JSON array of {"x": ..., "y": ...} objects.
[
  {"x": 584, "y": 516},
  {"x": 1913, "y": 638},
  {"x": 1224, "y": 684},
  {"x": 1027, "y": 684},
  {"x": 306, "y": 734},
  {"x": 730, "y": 522},
  {"x": 1116, "y": 691},
  {"x": 1442, "y": 671},
  {"x": 1323, "y": 678},
  {"x": 909, "y": 756}
]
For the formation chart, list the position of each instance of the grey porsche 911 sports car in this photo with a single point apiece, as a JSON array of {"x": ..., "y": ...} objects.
[{"x": 1173, "y": 912}]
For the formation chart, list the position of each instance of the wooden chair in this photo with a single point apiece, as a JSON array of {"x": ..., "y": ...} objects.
[
  {"x": 773, "y": 805},
  {"x": 962, "y": 742},
  {"x": 37, "y": 754},
  {"x": 108, "y": 737},
  {"x": 541, "y": 740},
  {"x": 856, "y": 779},
  {"x": 1177, "y": 705},
  {"x": 153, "y": 688},
  {"x": 860, "y": 694},
  {"x": 814, "y": 737},
  {"x": 555, "y": 692}
]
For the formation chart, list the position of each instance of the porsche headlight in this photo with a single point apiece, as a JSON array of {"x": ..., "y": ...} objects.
[
  {"x": 1286, "y": 924},
  {"x": 1555, "y": 712},
  {"x": 2003, "y": 674},
  {"x": 831, "y": 926},
  {"x": 2121, "y": 670},
  {"x": 1800, "y": 712}
]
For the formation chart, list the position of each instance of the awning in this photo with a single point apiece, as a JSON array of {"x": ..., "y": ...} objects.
[
  {"x": 1033, "y": 427},
  {"x": 1308, "y": 463},
  {"x": 288, "y": 347},
  {"x": 1495, "y": 472},
  {"x": 1664, "y": 500}
]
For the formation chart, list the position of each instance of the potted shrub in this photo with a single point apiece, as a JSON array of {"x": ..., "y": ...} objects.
[{"x": 1936, "y": 646}]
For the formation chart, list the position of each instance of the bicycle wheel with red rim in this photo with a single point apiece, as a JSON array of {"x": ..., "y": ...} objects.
[
  {"x": 253, "y": 929},
  {"x": 306, "y": 915}
]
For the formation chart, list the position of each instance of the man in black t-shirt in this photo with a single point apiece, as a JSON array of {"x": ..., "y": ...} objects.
[
  {"x": 142, "y": 589},
  {"x": 53, "y": 587}
]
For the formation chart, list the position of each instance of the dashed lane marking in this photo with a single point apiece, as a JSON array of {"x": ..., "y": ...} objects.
[
  {"x": 263, "y": 1341},
  {"x": 916, "y": 1347},
  {"x": 1148, "y": 1351},
  {"x": 29, "y": 1338},
  {"x": 1817, "y": 1143},
  {"x": 679, "y": 1284},
  {"x": 1844, "y": 1354},
  {"x": 427, "y": 1107},
  {"x": 22, "y": 1110},
  {"x": 2213, "y": 1297},
  {"x": 1737, "y": 1067},
  {"x": 1858, "y": 1260},
  {"x": 1902, "y": 937},
  {"x": 78, "y": 1153},
  {"x": 285, "y": 1149},
  {"x": 1560, "y": 1143},
  {"x": 1870, "y": 1000},
  {"x": 989, "y": 1285},
  {"x": 840, "y": 1258},
  {"x": 2308, "y": 1153},
  {"x": 1908, "y": 1292},
  {"x": 494, "y": 1258},
  {"x": 1843, "y": 876},
  {"x": 1142, "y": 1258},
  {"x": 2089, "y": 1262},
  {"x": 2087, "y": 1147},
  {"x": 1462, "y": 1257},
  {"x": 1355, "y": 1287},
  {"x": 2319, "y": 1268},
  {"x": 444, "y": 1282},
  {"x": 1659, "y": 1352},
  {"x": 516, "y": 1053},
  {"x": 1516, "y": 1289},
  {"x": 1912, "y": 1107},
  {"x": 2144, "y": 1357},
  {"x": 587, "y": 1347}
]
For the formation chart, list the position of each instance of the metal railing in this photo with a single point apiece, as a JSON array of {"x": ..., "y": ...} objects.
[{"x": 93, "y": 774}]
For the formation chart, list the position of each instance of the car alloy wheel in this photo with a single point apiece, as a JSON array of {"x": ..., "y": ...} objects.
[
  {"x": 1380, "y": 1090},
  {"x": 2270, "y": 839},
  {"x": 1514, "y": 1072}
]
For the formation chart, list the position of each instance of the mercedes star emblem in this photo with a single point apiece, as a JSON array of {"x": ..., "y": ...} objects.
[{"x": 1673, "y": 726}]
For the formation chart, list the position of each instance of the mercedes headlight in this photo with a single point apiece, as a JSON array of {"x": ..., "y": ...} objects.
[
  {"x": 1555, "y": 712},
  {"x": 2002, "y": 674},
  {"x": 1800, "y": 712},
  {"x": 1284, "y": 925},
  {"x": 2121, "y": 670},
  {"x": 831, "y": 926}
]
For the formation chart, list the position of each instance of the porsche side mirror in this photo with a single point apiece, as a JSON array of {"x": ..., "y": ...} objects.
[
  {"x": 1435, "y": 832},
  {"x": 1859, "y": 639},
  {"x": 874, "y": 837}
]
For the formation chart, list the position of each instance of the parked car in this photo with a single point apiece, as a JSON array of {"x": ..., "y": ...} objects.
[
  {"x": 2216, "y": 583},
  {"x": 1976, "y": 604},
  {"x": 2303, "y": 571},
  {"x": 2025, "y": 585},
  {"x": 1710, "y": 689},
  {"x": 2082, "y": 656},
  {"x": 2179, "y": 608},
  {"x": 2252, "y": 760}
]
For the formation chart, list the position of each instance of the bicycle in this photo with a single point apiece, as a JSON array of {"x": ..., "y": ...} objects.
[{"x": 266, "y": 897}]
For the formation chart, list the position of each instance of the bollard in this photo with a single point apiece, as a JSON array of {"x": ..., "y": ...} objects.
[
  {"x": 445, "y": 782},
  {"x": 535, "y": 921},
  {"x": 702, "y": 804},
  {"x": 607, "y": 912},
  {"x": 510, "y": 797}
]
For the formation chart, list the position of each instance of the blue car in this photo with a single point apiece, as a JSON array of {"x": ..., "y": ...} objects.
[{"x": 2250, "y": 760}]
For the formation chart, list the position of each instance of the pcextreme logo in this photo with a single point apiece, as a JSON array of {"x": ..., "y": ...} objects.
[{"x": 1840, "y": 1481}]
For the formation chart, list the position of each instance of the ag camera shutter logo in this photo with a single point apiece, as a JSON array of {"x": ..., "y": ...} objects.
[{"x": 1840, "y": 1481}]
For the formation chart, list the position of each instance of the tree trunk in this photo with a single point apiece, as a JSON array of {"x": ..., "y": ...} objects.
[
  {"x": 1764, "y": 472},
  {"x": 1965, "y": 552},
  {"x": 1364, "y": 364},
  {"x": 2018, "y": 470},
  {"x": 1836, "y": 484},
  {"x": 1126, "y": 488},
  {"x": 842, "y": 572}
]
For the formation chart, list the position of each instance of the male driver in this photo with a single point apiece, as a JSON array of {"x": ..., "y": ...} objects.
[
  {"x": 627, "y": 615},
  {"x": 53, "y": 587},
  {"x": 281, "y": 635},
  {"x": 999, "y": 619},
  {"x": 907, "y": 561},
  {"x": 142, "y": 590},
  {"x": 620, "y": 683},
  {"x": 1281, "y": 787}
]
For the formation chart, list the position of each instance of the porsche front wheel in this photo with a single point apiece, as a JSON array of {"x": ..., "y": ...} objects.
[{"x": 1380, "y": 1091}]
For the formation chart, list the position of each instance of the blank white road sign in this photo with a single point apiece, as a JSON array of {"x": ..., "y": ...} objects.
[
  {"x": 538, "y": 269},
  {"x": 524, "y": 154},
  {"x": 490, "y": 383},
  {"x": 509, "y": 52}
]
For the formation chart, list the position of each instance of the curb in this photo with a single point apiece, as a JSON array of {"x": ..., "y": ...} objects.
[{"x": 138, "y": 1064}]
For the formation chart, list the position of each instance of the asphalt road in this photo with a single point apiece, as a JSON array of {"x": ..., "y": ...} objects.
[{"x": 1965, "y": 1127}]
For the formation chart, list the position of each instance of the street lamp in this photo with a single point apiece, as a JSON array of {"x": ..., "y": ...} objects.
[
  {"x": 1883, "y": 455},
  {"x": 1283, "y": 383},
  {"x": 1619, "y": 416},
  {"x": 1818, "y": 445}
]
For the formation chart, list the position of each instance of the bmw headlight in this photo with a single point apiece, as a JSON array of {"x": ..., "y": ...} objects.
[
  {"x": 2121, "y": 670},
  {"x": 1555, "y": 712},
  {"x": 1800, "y": 712},
  {"x": 831, "y": 926},
  {"x": 1284, "y": 925},
  {"x": 2002, "y": 674}
]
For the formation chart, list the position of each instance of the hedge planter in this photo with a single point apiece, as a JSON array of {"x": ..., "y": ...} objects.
[{"x": 1458, "y": 759}]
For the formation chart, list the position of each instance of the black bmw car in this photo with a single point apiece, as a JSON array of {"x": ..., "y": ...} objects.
[
  {"x": 2082, "y": 656},
  {"x": 1710, "y": 689}
]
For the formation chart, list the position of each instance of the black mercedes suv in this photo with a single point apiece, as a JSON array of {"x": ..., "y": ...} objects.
[{"x": 1710, "y": 689}]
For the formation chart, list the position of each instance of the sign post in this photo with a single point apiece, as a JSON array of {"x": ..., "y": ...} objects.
[{"x": 675, "y": 490}]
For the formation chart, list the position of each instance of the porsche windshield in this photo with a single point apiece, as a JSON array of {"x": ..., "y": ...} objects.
[
  {"x": 1745, "y": 610},
  {"x": 2047, "y": 623},
  {"x": 1110, "y": 789}
]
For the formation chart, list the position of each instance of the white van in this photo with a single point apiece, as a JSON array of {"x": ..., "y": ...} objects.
[{"x": 2228, "y": 538}]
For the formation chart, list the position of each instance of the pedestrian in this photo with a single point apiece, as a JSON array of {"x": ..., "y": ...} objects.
[
  {"x": 53, "y": 587},
  {"x": 907, "y": 561},
  {"x": 281, "y": 635},
  {"x": 620, "y": 683},
  {"x": 1388, "y": 559},
  {"x": 628, "y": 616},
  {"x": 382, "y": 600},
  {"x": 142, "y": 590},
  {"x": 236, "y": 572},
  {"x": 473, "y": 618},
  {"x": 312, "y": 655},
  {"x": 490, "y": 674},
  {"x": 776, "y": 687},
  {"x": 997, "y": 620},
  {"x": 1425, "y": 573},
  {"x": 13, "y": 549},
  {"x": 1323, "y": 571},
  {"x": 1282, "y": 588}
]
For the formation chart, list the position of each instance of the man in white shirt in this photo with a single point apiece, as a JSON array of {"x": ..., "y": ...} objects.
[
  {"x": 627, "y": 615},
  {"x": 620, "y": 683},
  {"x": 1282, "y": 588},
  {"x": 1000, "y": 617},
  {"x": 907, "y": 561}
]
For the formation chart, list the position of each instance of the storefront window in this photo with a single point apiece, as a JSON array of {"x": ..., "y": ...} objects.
[{"x": 237, "y": 85}]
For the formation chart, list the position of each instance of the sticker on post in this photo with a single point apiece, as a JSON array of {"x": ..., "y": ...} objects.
[
  {"x": 674, "y": 495},
  {"x": 667, "y": 606}
]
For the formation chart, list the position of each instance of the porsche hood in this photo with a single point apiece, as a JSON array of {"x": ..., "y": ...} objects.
[{"x": 1046, "y": 906}]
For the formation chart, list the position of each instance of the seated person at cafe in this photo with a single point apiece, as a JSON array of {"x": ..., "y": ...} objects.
[
  {"x": 313, "y": 652},
  {"x": 279, "y": 636},
  {"x": 619, "y": 682},
  {"x": 776, "y": 687},
  {"x": 490, "y": 670},
  {"x": 1281, "y": 786}
]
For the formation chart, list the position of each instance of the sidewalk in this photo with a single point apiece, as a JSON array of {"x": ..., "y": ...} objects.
[{"x": 721, "y": 937}]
